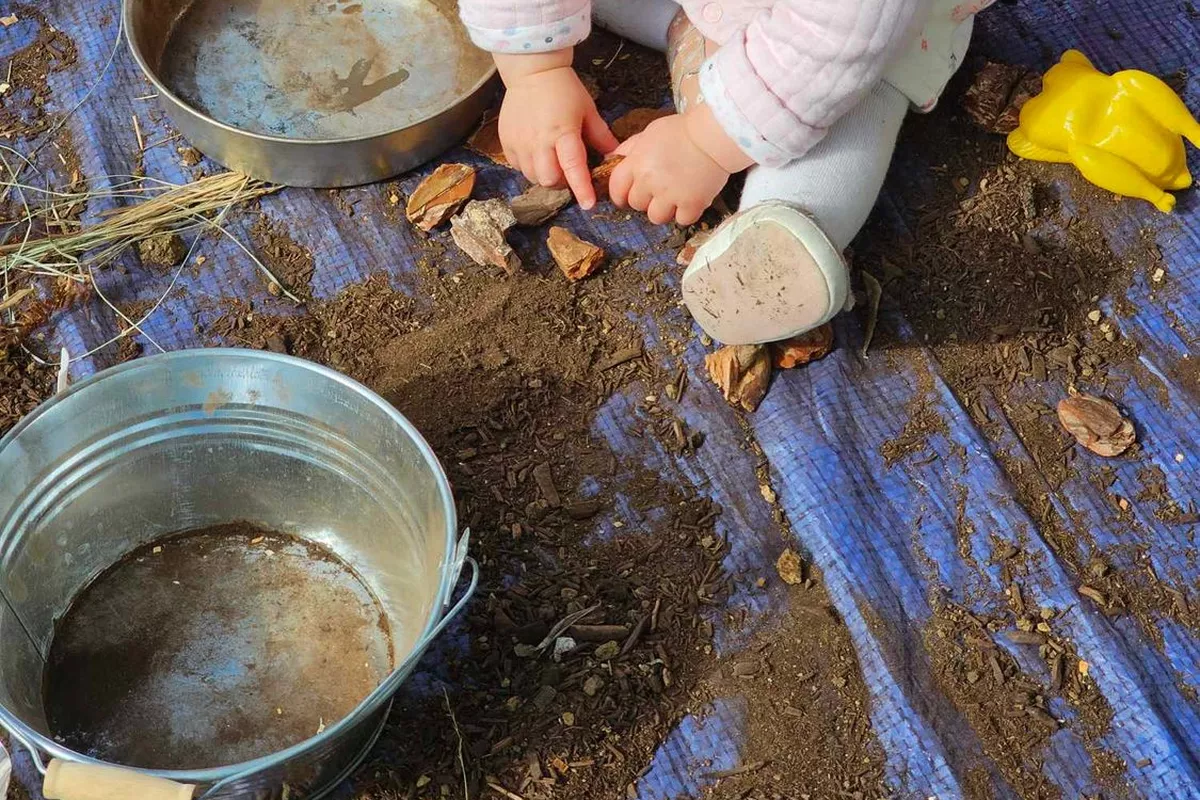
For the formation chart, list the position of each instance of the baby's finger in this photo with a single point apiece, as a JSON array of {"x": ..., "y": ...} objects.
[
  {"x": 619, "y": 184},
  {"x": 661, "y": 211},
  {"x": 640, "y": 197},
  {"x": 572, "y": 158},
  {"x": 545, "y": 164},
  {"x": 598, "y": 134},
  {"x": 688, "y": 214}
]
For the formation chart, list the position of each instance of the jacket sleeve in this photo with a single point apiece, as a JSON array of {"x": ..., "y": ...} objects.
[
  {"x": 526, "y": 26},
  {"x": 799, "y": 66}
]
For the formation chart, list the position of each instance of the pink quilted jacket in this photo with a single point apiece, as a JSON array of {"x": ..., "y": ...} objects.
[{"x": 787, "y": 69}]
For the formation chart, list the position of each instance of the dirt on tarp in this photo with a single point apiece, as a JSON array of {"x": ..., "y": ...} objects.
[
  {"x": 1010, "y": 278},
  {"x": 592, "y": 636}
]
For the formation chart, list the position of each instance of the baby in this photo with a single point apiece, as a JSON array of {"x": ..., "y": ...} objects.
[{"x": 808, "y": 95}]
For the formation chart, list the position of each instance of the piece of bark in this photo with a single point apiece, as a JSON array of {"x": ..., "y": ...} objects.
[
  {"x": 742, "y": 372},
  {"x": 538, "y": 204},
  {"x": 790, "y": 568},
  {"x": 1096, "y": 424},
  {"x": 486, "y": 140},
  {"x": 574, "y": 256},
  {"x": 803, "y": 349},
  {"x": 479, "y": 232},
  {"x": 999, "y": 91},
  {"x": 440, "y": 196},
  {"x": 691, "y": 246},
  {"x": 602, "y": 173},
  {"x": 636, "y": 121}
]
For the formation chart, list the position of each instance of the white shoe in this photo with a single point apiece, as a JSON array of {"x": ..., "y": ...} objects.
[{"x": 768, "y": 273}]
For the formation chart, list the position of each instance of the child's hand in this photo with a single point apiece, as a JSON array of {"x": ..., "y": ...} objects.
[
  {"x": 545, "y": 120},
  {"x": 666, "y": 174}
]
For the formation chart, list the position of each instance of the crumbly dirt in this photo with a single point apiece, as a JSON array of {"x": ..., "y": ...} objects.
[{"x": 291, "y": 263}]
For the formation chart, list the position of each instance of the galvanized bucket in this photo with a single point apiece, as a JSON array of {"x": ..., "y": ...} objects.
[{"x": 200, "y": 438}]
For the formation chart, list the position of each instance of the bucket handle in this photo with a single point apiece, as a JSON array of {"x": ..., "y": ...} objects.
[{"x": 68, "y": 780}]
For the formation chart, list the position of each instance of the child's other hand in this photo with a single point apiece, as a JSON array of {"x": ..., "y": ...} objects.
[
  {"x": 546, "y": 119},
  {"x": 666, "y": 174}
]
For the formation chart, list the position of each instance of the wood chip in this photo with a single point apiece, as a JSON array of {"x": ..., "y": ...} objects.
[
  {"x": 15, "y": 299},
  {"x": 994, "y": 100},
  {"x": 689, "y": 249},
  {"x": 486, "y": 140},
  {"x": 440, "y": 196},
  {"x": 479, "y": 232},
  {"x": 10, "y": 20},
  {"x": 602, "y": 173},
  {"x": 874, "y": 295},
  {"x": 790, "y": 568},
  {"x": 1096, "y": 424},
  {"x": 802, "y": 349},
  {"x": 636, "y": 121},
  {"x": 539, "y": 204},
  {"x": 575, "y": 257},
  {"x": 742, "y": 372}
]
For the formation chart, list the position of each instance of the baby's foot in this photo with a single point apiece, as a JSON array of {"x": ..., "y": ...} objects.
[{"x": 768, "y": 273}]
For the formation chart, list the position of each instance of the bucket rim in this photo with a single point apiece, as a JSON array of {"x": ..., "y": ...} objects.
[{"x": 384, "y": 692}]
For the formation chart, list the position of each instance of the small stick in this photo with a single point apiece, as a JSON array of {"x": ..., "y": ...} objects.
[
  {"x": 500, "y": 790},
  {"x": 462, "y": 764},
  {"x": 137, "y": 131}
]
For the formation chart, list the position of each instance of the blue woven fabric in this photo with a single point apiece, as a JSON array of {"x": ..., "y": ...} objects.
[{"x": 821, "y": 429}]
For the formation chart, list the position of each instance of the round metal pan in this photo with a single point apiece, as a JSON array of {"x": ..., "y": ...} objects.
[{"x": 320, "y": 93}]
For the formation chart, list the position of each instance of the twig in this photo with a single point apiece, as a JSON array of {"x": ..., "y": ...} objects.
[
  {"x": 733, "y": 773},
  {"x": 500, "y": 790},
  {"x": 137, "y": 132},
  {"x": 620, "y": 47},
  {"x": 462, "y": 764}
]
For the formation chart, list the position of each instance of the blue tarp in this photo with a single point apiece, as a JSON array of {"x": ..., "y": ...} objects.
[{"x": 821, "y": 429}]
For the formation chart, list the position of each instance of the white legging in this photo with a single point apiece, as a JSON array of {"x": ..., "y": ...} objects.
[{"x": 839, "y": 180}]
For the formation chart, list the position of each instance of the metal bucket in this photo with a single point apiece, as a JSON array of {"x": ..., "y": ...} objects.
[
  {"x": 313, "y": 92},
  {"x": 201, "y": 438}
]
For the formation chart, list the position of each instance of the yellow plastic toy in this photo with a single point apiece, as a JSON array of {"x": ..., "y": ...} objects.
[{"x": 1122, "y": 131}]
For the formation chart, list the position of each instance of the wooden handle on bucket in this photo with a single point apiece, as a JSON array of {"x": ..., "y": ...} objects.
[{"x": 66, "y": 780}]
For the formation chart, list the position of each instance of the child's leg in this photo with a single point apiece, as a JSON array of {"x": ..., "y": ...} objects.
[
  {"x": 839, "y": 180},
  {"x": 641, "y": 21},
  {"x": 775, "y": 270}
]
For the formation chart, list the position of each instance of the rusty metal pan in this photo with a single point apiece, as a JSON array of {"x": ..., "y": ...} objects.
[{"x": 320, "y": 93}]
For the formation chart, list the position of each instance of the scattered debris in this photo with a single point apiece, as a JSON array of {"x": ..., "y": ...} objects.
[
  {"x": 689, "y": 249},
  {"x": 1096, "y": 424},
  {"x": 603, "y": 172},
  {"x": 9, "y": 20},
  {"x": 577, "y": 258},
  {"x": 803, "y": 349},
  {"x": 538, "y": 204},
  {"x": 995, "y": 99},
  {"x": 790, "y": 568},
  {"x": 742, "y": 372},
  {"x": 479, "y": 232},
  {"x": 636, "y": 121},
  {"x": 440, "y": 196}
]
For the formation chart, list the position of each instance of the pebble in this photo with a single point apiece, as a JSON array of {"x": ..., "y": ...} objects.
[
  {"x": 1158, "y": 275},
  {"x": 1094, "y": 315}
]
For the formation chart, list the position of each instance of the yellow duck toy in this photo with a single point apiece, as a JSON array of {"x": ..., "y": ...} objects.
[{"x": 1122, "y": 131}]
